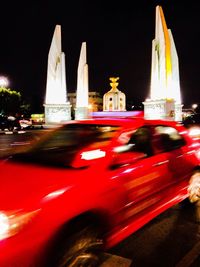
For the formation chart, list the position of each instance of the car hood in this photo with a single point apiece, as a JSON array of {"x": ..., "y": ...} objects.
[{"x": 28, "y": 183}]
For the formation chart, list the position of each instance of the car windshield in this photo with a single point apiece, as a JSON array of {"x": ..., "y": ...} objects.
[{"x": 61, "y": 146}]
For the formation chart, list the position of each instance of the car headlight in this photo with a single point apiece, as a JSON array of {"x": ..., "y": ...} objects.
[
  {"x": 12, "y": 222},
  {"x": 4, "y": 225}
]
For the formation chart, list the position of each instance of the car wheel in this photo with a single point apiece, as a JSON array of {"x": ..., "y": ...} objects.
[{"x": 82, "y": 248}]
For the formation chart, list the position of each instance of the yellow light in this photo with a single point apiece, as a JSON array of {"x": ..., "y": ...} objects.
[{"x": 167, "y": 49}]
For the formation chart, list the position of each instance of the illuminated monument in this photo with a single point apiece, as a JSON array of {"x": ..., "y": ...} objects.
[
  {"x": 57, "y": 108},
  {"x": 114, "y": 100},
  {"x": 82, "y": 110},
  {"x": 165, "y": 98}
]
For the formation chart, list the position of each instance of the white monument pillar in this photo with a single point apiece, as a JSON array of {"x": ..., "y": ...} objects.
[
  {"x": 82, "y": 110},
  {"x": 165, "y": 97},
  {"x": 57, "y": 108}
]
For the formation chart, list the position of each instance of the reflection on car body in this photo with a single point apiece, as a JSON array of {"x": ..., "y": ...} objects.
[{"x": 91, "y": 184}]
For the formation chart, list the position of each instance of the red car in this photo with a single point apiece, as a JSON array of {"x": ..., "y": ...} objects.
[{"x": 87, "y": 186}]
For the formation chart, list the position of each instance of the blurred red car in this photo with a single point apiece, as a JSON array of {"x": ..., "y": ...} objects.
[{"x": 88, "y": 185}]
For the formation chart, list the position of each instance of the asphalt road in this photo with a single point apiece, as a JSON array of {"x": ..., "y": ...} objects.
[{"x": 170, "y": 240}]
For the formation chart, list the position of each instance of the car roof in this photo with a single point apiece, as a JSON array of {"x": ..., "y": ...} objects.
[{"x": 125, "y": 122}]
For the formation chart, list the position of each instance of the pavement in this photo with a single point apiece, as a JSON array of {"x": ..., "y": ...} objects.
[
  {"x": 190, "y": 259},
  {"x": 110, "y": 260}
]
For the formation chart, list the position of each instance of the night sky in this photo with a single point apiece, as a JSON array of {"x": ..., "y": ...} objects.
[{"x": 118, "y": 38}]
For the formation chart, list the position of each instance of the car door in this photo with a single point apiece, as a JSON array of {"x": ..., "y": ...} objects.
[
  {"x": 145, "y": 178},
  {"x": 176, "y": 149}
]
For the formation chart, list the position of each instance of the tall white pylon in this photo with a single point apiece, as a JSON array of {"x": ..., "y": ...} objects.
[
  {"x": 82, "y": 110},
  {"x": 57, "y": 108},
  {"x": 165, "y": 97}
]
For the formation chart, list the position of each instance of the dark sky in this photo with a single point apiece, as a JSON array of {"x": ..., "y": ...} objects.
[{"x": 118, "y": 37}]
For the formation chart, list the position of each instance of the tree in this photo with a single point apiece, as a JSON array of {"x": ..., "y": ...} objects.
[
  {"x": 10, "y": 101},
  {"x": 25, "y": 109}
]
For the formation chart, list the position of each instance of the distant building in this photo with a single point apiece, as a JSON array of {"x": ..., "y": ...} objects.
[
  {"x": 95, "y": 101},
  {"x": 114, "y": 100}
]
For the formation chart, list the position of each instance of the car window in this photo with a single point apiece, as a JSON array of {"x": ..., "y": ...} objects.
[
  {"x": 139, "y": 141},
  {"x": 167, "y": 138},
  {"x": 63, "y": 144},
  {"x": 78, "y": 135}
]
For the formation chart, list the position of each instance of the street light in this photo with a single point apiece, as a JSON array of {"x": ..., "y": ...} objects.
[
  {"x": 3, "y": 81},
  {"x": 194, "y": 106}
]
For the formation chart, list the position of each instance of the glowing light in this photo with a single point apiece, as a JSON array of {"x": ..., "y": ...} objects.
[
  {"x": 195, "y": 145},
  {"x": 12, "y": 222},
  {"x": 123, "y": 148},
  {"x": 128, "y": 170},
  {"x": 194, "y": 132},
  {"x": 194, "y": 106},
  {"x": 3, "y": 82},
  {"x": 4, "y": 225},
  {"x": 122, "y": 114},
  {"x": 93, "y": 154},
  {"x": 56, "y": 193}
]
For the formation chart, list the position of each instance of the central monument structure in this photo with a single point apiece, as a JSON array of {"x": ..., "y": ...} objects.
[
  {"x": 57, "y": 108},
  {"x": 165, "y": 98},
  {"x": 114, "y": 100}
]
